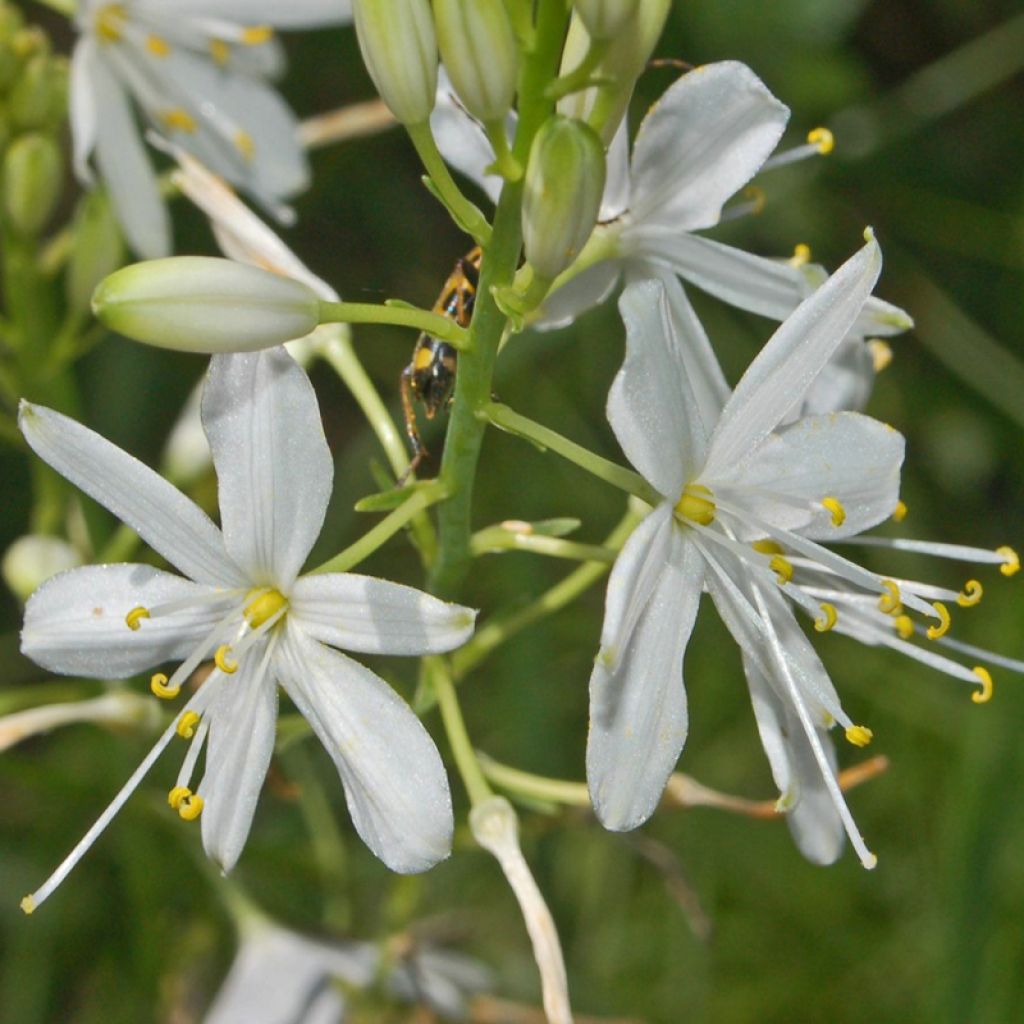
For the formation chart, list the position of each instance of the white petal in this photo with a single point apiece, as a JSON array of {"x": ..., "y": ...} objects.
[
  {"x": 75, "y": 622},
  {"x": 704, "y": 140},
  {"x": 360, "y": 613},
  {"x": 171, "y": 524},
  {"x": 82, "y": 111},
  {"x": 274, "y": 469},
  {"x": 846, "y": 456},
  {"x": 461, "y": 139},
  {"x": 845, "y": 383},
  {"x": 242, "y": 722},
  {"x": 395, "y": 784},
  {"x": 580, "y": 294},
  {"x": 812, "y": 817},
  {"x": 778, "y": 378},
  {"x": 294, "y": 14},
  {"x": 617, "y": 180},
  {"x": 126, "y": 170},
  {"x": 637, "y": 701},
  {"x": 651, "y": 404}
]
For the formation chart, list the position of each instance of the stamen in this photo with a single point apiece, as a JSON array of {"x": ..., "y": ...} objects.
[
  {"x": 904, "y": 626},
  {"x": 899, "y": 513},
  {"x": 28, "y": 905},
  {"x": 187, "y": 724},
  {"x": 801, "y": 255},
  {"x": 262, "y": 605},
  {"x": 222, "y": 660},
  {"x": 890, "y": 602},
  {"x": 822, "y": 139},
  {"x": 881, "y": 357},
  {"x": 696, "y": 504},
  {"x": 157, "y": 46},
  {"x": 1012, "y": 560},
  {"x": 859, "y": 735},
  {"x": 135, "y": 616},
  {"x": 934, "y": 632},
  {"x": 244, "y": 144},
  {"x": 782, "y": 568},
  {"x": 177, "y": 796},
  {"x": 834, "y": 505},
  {"x": 828, "y": 619},
  {"x": 110, "y": 22},
  {"x": 983, "y": 695},
  {"x": 191, "y": 807},
  {"x": 220, "y": 51},
  {"x": 970, "y": 595},
  {"x": 254, "y": 35},
  {"x": 159, "y": 688},
  {"x": 767, "y": 547},
  {"x": 178, "y": 119}
]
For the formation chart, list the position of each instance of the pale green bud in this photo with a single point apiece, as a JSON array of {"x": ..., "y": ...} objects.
[
  {"x": 38, "y": 98},
  {"x": 399, "y": 49},
  {"x": 97, "y": 248},
  {"x": 480, "y": 53},
  {"x": 201, "y": 304},
  {"x": 31, "y": 560},
  {"x": 562, "y": 194},
  {"x": 33, "y": 172},
  {"x": 604, "y": 19}
]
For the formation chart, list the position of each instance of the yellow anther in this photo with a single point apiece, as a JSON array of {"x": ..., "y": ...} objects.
[
  {"x": 970, "y": 595},
  {"x": 224, "y": 661},
  {"x": 257, "y": 34},
  {"x": 191, "y": 807},
  {"x": 178, "y": 795},
  {"x": 263, "y": 605},
  {"x": 135, "y": 616},
  {"x": 835, "y": 506},
  {"x": 110, "y": 22},
  {"x": 179, "y": 120},
  {"x": 904, "y": 626},
  {"x": 767, "y": 547},
  {"x": 1011, "y": 560},
  {"x": 782, "y": 568},
  {"x": 158, "y": 686},
  {"x": 696, "y": 504},
  {"x": 859, "y": 735},
  {"x": 823, "y": 139},
  {"x": 827, "y": 720},
  {"x": 890, "y": 602},
  {"x": 244, "y": 144},
  {"x": 187, "y": 725},
  {"x": 220, "y": 51},
  {"x": 934, "y": 632},
  {"x": 28, "y": 905},
  {"x": 881, "y": 354},
  {"x": 801, "y": 255},
  {"x": 983, "y": 695},
  {"x": 756, "y": 197},
  {"x": 829, "y": 617},
  {"x": 158, "y": 46},
  {"x": 899, "y": 513}
]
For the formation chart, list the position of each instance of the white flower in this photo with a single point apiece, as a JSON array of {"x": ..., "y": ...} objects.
[
  {"x": 746, "y": 500},
  {"x": 243, "y": 603},
  {"x": 196, "y": 70}
]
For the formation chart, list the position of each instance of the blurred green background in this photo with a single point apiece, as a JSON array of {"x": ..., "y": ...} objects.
[{"x": 927, "y": 103}]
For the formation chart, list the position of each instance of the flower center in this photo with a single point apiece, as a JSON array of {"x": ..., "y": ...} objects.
[
  {"x": 696, "y": 504},
  {"x": 110, "y": 22},
  {"x": 262, "y": 605}
]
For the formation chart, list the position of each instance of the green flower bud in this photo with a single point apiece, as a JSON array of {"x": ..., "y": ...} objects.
[
  {"x": 562, "y": 194},
  {"x": 480, "y": 53},
  {"x": 200, "y": 304},
  {"x": 33, "y": 172},
  {"x": 97, "y": 248},
  {"x": 603, "y": 19},
  {"x": 37, "y": 99},
  {"x": 399, "y": 48},
  {"x": 31, "y": 560}
]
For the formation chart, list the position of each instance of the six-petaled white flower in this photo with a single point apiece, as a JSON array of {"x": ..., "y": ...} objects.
[
  {"x": 197, "y": 70},
  {"x": 242, "y": 602},
  {"x": 748, "y": 495}
]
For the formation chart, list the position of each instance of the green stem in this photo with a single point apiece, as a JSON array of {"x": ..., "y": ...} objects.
[
  {"x": 66, "y": 7},
  {"x": 455, "y": 727},
  {"x": 579, "y": 77},
  {"x": 476, "y": 365},
  {"x": 537, "y": 787},
  {"x": 496, "y": 539},
  {"x": 466, "y": 215},
  {"x": 401, "y": 316},
  {"x": 545, "y": 438},
  {"x": 505, "y": 164},
  {"x": 428, "y": 495}
]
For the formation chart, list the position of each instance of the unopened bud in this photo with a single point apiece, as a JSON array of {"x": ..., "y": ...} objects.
[
  {"x": 562, "y": 195},
  {"x": 603, "y": 19},
  {"x": 201, "y": 304},
  {"x": 31, "y": 560},
  {"x": 97, "y": 248},
  {"x": 32, "y": 178},
  {"x": 399, "y": 48},
  {"x": 38, "y": 97},
  {"x": 480, "y": 53}
]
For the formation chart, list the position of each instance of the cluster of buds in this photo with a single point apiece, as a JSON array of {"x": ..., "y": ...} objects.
[{"x": 33, "y": 107}]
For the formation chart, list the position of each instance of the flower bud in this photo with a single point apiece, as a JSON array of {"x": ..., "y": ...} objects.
[
  {"x": 399, "y": 48},
  {"x": 97, "y": 248},
  {"x": 33, "y": 173},
  {"x": 200, "y": 304},
  {"x": 32, "y": 559},
  {"x": 603, "y": 19},
  {"x": 480, "y": 53},
  {"x": 38, "y": 98},
  {"x": 562, "y": 195}
]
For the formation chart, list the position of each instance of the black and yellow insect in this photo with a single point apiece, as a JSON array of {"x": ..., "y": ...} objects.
[{"x": 430, "y": 375}]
